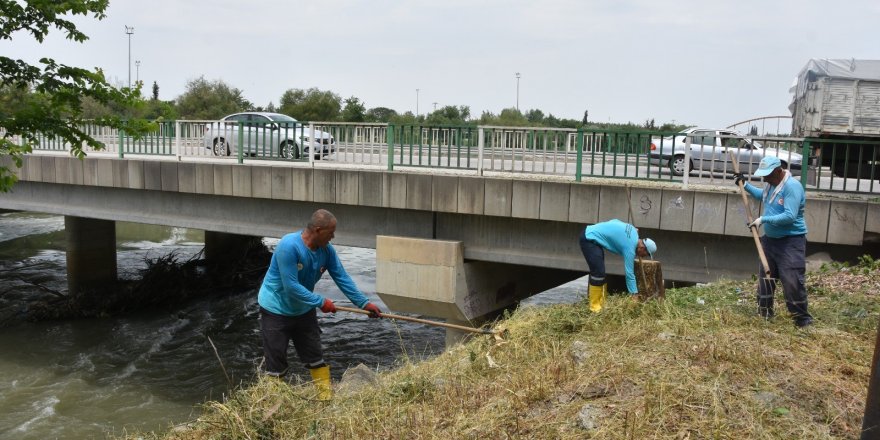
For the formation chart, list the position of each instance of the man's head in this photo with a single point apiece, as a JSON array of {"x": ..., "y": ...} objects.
[
  {"x": 646, "y": 248},
  {"x": 770, "y": 169},
  {"x": 321, "y": 228}
]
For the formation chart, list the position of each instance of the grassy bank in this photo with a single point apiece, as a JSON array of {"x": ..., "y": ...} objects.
[{"x": 698, "y": 365}]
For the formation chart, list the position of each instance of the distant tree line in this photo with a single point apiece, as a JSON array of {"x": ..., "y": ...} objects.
[{"x": 203, "y": 99}]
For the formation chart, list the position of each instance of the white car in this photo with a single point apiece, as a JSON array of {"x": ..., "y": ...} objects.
[
  {"x": 265, "y": 134},
  {"x": 710, "y": 151}
]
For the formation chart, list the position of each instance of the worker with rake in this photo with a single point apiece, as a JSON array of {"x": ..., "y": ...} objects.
[
  {"x": 288, "y": 301},
  {"x": 620, "y": 238},
  {"x": 785, "y": 238}
]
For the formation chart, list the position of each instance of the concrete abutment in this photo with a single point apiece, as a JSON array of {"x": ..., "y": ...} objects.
[{"x": 431, "y": 277}]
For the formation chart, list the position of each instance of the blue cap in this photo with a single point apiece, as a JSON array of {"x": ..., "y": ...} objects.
[
  {"x": 767, "y": 165},
  {"x": 650, "y": 246}
]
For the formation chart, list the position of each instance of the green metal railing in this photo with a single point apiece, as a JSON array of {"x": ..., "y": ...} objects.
[{"x": 826, "y": 165}]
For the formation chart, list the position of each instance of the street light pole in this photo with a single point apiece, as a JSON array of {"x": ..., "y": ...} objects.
[
  {"x": 417, "y": 103},
  {"x": 517, "y": 91},
  {"x": 137, "y": 71},
  {"x": 129, "y": 30}
]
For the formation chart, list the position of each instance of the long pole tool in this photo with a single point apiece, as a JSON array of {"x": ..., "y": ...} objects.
[
  {"x": 424, "y": 321},
  {"x": 742, "y": 192}
]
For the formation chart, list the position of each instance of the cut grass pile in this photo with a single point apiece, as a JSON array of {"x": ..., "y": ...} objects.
[{"x": 698, "y": 365}]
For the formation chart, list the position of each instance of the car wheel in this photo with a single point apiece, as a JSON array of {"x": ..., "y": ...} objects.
[
  {"x": 289, "y": 150},
  {"x": 221, "y": 147},
  {"x": 676, "y": 165}
]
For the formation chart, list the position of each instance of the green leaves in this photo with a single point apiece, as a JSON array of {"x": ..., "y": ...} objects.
[{"x": 47, "y": 99}]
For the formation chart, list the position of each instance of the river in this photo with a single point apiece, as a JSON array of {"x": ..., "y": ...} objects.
[{"x": 91, "y": 378}]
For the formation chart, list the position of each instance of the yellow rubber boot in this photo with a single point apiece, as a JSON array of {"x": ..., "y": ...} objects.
[
  {"x": 321, "y": 377},
  {"x": 597, "y": 297}
]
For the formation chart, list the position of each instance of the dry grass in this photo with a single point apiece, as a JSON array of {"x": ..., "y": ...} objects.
[{"x": 698, "y": 365}]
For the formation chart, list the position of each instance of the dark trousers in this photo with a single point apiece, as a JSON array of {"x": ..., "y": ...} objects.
[
  {"x": 277, "y": 331},
  {"x": 786, "y": 257},
  {"x": 595, "y": 256}
]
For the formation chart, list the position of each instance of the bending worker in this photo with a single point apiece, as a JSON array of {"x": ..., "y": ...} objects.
[
  {"x": 288, "y": 301},
  {"x": 620, "y": 238},
  {"x": 784, "y": 240}
]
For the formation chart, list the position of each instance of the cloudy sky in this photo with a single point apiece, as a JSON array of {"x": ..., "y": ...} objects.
[{"x": 701, "y": 62}]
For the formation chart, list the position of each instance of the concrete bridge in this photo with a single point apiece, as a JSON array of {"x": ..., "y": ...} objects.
[{"x": 456, "y": 246}]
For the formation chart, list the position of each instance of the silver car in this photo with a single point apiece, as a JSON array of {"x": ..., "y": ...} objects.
[
  {"x": 264, "y": 134},
  {"x": 710, "y": 151}
]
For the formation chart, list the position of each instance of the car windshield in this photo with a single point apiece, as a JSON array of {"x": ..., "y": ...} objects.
[{"x": 281, "y": 118}]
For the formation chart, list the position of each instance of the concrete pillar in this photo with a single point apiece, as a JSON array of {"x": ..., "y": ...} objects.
[
  {"x": 223, "y": 247},
  {"x": 91, "y": 253}
]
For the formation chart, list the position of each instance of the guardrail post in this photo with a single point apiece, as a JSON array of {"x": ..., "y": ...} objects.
[
  {"x": 579, "y": 147},
  {"x": 120, "y": 151},
  {"x": 390, "y": 141},
  {"x": 481, "y": 143},
  {"x": 313, "y": 144},
  {"x": 805, "y": 165},
  {"x": 240, "y": 142},
  {"x": 177, "y": 139},
  {"x": 687, "y": 161}
]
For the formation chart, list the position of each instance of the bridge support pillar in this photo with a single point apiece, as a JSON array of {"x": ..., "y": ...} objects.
[
  {"x": 223, "y": 247},
  {"x": 430, "y": 277},
  {"x": 91, "y": 253}
]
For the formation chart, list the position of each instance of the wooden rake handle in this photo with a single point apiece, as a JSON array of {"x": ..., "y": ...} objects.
[
  {"x": 742, "y": 192},
  {"x": 421, "y": 321}
]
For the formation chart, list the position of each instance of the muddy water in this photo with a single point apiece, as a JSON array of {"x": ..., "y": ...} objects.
[{"x": 149, "y": 370}]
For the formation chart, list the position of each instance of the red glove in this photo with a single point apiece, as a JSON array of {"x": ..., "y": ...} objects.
[
  {"x": 374, "y": 310},
  {"x": 328, "y": 306}
]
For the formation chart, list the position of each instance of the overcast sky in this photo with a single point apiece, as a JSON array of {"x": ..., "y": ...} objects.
[{"x": 692, "y": 61}]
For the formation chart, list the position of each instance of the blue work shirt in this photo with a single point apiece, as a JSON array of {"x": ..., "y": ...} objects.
[
  {"x": 288, "y": 287},
  {"x": 620, "y": 238},
  {"x": 783, "y": 214}
]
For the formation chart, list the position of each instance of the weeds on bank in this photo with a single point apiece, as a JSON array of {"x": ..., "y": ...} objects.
[{"x": 699, "y": 364}]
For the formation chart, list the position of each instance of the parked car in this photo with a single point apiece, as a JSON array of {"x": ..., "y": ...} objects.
[
  {"x": 710, "y": 151},
  {"x": 266, "y": 135}
]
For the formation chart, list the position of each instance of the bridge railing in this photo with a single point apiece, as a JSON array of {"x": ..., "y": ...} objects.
[{"x": 819, "y": 164}]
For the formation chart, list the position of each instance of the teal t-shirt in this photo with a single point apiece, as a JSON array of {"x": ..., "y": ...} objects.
[{"x": 288, "y": 287}]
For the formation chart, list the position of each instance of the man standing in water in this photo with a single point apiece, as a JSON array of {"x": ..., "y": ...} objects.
[{"x": 288, "y": 301}]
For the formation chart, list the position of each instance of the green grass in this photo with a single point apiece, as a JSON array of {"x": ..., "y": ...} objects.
[{"x": 699, "y": 364}]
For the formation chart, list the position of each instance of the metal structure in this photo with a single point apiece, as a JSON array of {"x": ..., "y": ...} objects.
[
  {"x": 482, "y": 150},
  {"x": 517, "y": 91},
  {"x": 129, "y": 30}
]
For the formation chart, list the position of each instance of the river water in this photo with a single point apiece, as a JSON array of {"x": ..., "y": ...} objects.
[{"x": 147, "y": 371}]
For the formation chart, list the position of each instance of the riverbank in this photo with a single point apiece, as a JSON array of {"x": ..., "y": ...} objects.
[{"x": 699, "y": 364}]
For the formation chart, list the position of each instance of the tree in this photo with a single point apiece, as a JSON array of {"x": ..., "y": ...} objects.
[
  {"x": 535, "y": 116},
  {"x": 586, "y": 119},
  {"x": 155, "y": 91},
  {"x": 205, "y": 99},
  {"x": 311, "y": 104},
  {"x": 354, "y": 110},
  {"x": 49, "y": 96},
  {"x": 449, "y": 115},
  {"x": 380, "y": 114}
]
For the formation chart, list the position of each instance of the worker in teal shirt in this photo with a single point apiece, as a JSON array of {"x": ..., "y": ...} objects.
[
  {"x": 288, "y": 301},
  {"x": 617, "y": 237},
  {"x": 784, "y": 241}
]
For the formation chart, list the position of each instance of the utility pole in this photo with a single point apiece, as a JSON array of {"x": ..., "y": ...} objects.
[
  {"x": 137, "y": 71},
  {"x": 129, "y": 31},
  {"x": 517, "y": 91},
  {"x": 435, "y": 106},
  {"x": 417, "y": 103}
]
